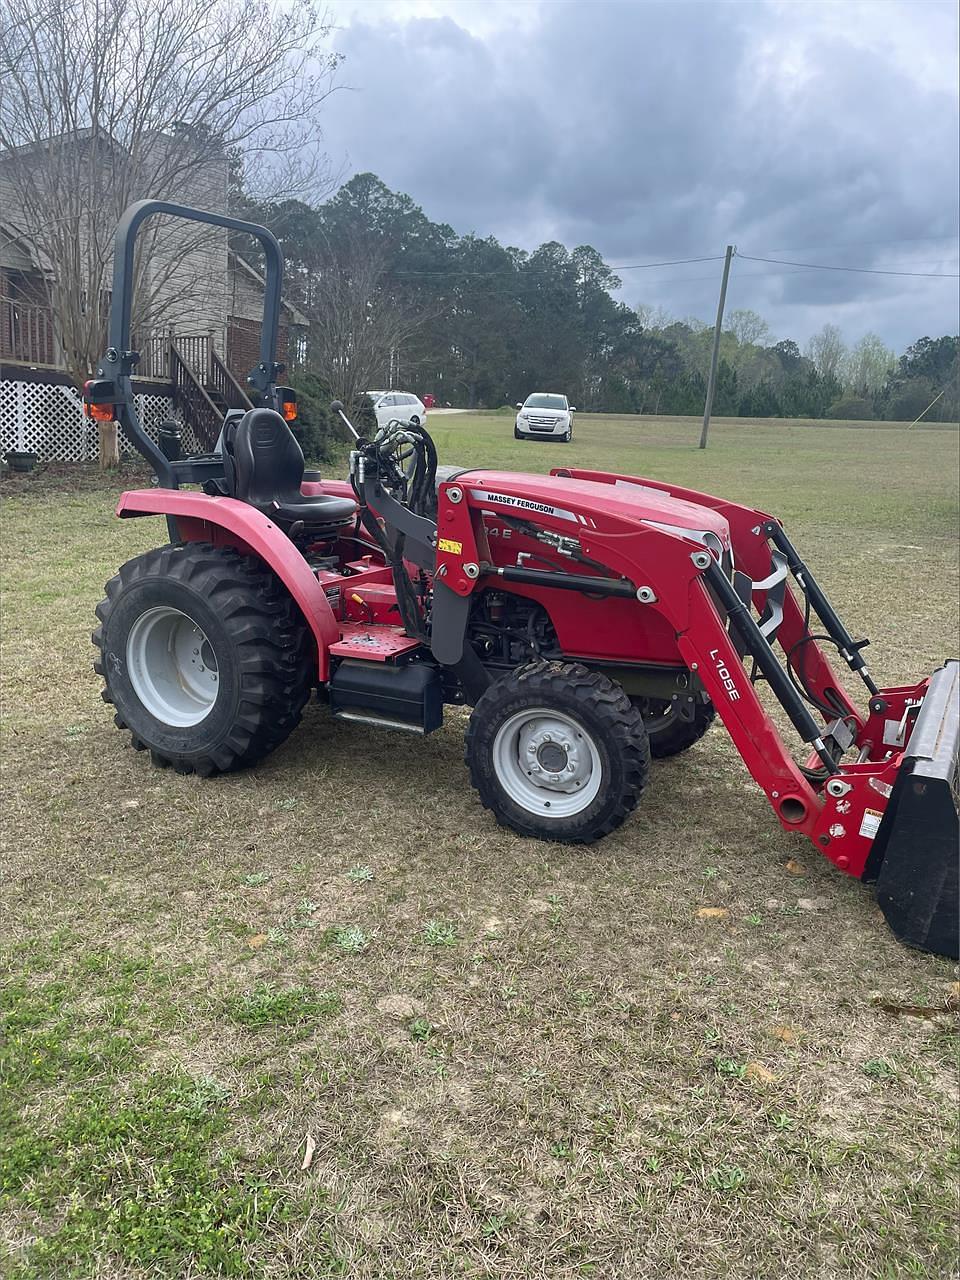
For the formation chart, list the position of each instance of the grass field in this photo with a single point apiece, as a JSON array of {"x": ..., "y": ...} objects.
[{"x": 508, "y": 1058}]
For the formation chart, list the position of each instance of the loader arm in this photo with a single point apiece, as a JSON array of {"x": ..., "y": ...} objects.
[
  {"x": 675, "y": 575},
  {"x": 901, "y": 754},
  {"x": 750, "y": 534}
]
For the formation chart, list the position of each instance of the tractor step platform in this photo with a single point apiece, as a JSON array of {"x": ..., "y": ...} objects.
[
  {"x": 407, "y": 695},
  {"x": 374, "y": 643}
]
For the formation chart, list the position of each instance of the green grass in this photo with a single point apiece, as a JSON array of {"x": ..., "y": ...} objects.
[
  {"x": 264, "y": 1006},
  {"x": 514, "y": 1059},
  {"x": 796, "y": 469}
]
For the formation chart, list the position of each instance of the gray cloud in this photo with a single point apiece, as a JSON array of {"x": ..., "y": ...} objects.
[{"x": 658, "y": 130}]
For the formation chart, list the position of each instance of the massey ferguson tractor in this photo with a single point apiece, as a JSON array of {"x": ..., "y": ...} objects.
[{"x": 590, "y": 620}]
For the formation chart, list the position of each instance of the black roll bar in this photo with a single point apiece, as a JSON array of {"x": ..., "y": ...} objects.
[{"x": 119, "y": 362}]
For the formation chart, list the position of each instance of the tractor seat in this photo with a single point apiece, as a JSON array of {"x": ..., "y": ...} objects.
[{"x": 266, "y": 463}]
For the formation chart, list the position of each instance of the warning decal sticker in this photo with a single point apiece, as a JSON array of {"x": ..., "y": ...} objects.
[
  {"x": 870, "y": 823},
  {"x": 448, "y": 544}
]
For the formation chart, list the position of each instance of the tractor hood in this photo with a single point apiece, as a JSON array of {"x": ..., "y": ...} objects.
[{"x": 583, "y": 501}]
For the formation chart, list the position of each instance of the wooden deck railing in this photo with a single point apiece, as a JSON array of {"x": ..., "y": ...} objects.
[
  {"x": 188, "y": 363},
  {"x": 196, "y": 349},
  {"x": 226, "y": 384},
  {"x": 26, "y": 333},
  {"x": 190, "y": 397},
  {"x": 154, "y": 347}
]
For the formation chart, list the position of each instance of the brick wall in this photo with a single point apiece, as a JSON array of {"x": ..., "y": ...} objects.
[{"x": 243, "y": 345}]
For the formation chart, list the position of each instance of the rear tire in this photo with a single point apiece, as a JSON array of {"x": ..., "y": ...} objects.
[
  {"x": 668, "y": 732},
  {"x": 205, "y": 657},
  {"x": 557, "y": 752}
]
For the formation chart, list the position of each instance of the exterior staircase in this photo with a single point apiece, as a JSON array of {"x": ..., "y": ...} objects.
[{"x": 202, "y": 387}]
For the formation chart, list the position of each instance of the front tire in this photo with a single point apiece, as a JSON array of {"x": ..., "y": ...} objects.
[
  {"x": 557, "y": 752},
  {"x": 204, "y": 655}
]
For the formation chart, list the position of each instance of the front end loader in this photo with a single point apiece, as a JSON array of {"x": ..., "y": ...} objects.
[{"x": 592, "y": 621}]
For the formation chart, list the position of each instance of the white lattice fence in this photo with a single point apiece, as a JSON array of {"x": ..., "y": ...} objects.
[
  {"x": 45, "y": 419},
  {"x": 48, "y": 420}
]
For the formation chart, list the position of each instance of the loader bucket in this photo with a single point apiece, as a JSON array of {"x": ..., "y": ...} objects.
[{"x": 917, "y": 849}]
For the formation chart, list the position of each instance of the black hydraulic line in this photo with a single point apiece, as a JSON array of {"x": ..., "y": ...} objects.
[
  {"x": 755, "y": 643},
  {"x": 564, "y": 581},
  {"x": 849, "y": 648}
]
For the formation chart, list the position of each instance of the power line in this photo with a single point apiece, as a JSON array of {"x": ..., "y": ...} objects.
[
  {"x": 741, "y": 275},
  {"x": 681, "y": 281},
  {"x": 866, "y": 271},
  {"x": 509, "y": 271},
  {"x": 856, "y": 244},
  {"x": 642, "y": 266},
  {"x": 677, "y": 262}
]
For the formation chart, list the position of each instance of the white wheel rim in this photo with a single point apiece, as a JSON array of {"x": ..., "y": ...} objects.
[
  {"x": 547, "y": 763},
  {"x": 172, "y": 667}
]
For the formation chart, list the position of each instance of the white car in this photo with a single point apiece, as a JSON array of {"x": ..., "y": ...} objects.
[
  {"x": 397, "y": 406},
  {"x": 545, "y": 415}
]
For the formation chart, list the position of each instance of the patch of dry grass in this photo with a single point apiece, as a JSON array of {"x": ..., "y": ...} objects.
[{"x": 514, "y": 1059}]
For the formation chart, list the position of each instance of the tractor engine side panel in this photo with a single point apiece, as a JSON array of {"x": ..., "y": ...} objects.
[{"x": 609, "y": 629}]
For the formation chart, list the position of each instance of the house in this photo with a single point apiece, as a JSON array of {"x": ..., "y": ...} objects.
[{"x": 197, "y": 326}]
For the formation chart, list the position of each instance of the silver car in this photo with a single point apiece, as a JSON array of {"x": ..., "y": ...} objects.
[
  {"x": 545, "y": 415},
  {"x": 399, "y": 406}
]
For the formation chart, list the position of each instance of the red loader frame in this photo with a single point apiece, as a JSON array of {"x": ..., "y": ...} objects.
[{"x": 845, "y": 809}]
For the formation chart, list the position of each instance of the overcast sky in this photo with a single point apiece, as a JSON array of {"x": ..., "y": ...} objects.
[{"x": 825, "y": 132}]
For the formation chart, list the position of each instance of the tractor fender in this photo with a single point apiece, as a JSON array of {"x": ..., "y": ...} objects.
[{"x": 227, "y": 522}]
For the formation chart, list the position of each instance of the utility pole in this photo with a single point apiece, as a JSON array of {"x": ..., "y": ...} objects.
[{"x": 714, "y": 359}]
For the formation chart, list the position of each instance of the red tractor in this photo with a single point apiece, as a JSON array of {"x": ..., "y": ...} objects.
[{"x": 591, "y": 621}]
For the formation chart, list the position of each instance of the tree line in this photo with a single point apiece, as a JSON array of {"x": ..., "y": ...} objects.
[
  {"x": 98, "y": 108},
  {"x": 395, "y": 299}
]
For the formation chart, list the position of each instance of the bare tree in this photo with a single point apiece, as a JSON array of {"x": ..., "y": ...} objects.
[
  {"x": 827, "y": 350},
  {"x": 867, "y": 365},
  {"x": 651, "y": 317},
  {"x": 357, "y": 323},
  {"x": 103, "y": 102},
  {"x": 749, "y": 328}
]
